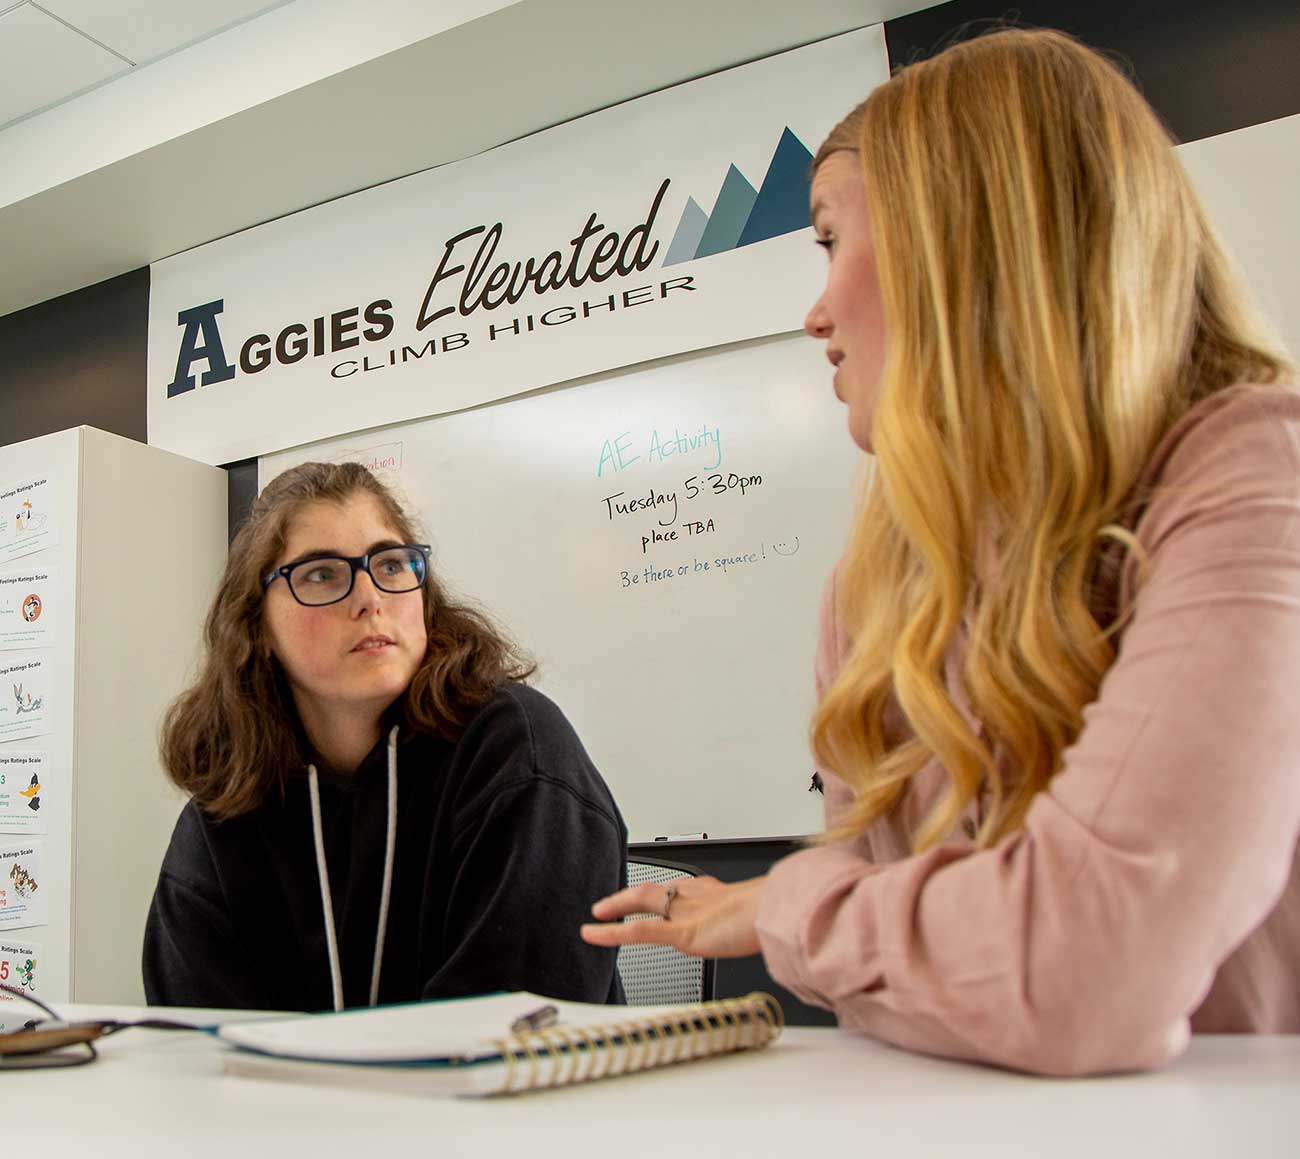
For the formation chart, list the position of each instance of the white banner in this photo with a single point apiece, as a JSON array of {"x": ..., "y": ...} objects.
[{"x": 671, "y": 223}]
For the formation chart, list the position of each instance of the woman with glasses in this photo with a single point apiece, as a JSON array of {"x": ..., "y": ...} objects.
[{"x": 380, "y": 810}]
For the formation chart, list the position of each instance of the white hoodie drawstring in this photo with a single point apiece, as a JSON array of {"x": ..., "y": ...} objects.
[
  {"x": 390, "y": 843},
  {"x": 322, "y": 872}
]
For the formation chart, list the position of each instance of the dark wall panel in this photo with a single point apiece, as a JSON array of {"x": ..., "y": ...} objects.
[
  {"x": 1207, "y": 66},
  {"x": 77, "y": 359},
  {"x": 241, "y": 490}
]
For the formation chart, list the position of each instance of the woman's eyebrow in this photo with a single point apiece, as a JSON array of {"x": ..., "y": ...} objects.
[
  {"x": 339, "y": 553},
  {"x": 314, "y": 553}
]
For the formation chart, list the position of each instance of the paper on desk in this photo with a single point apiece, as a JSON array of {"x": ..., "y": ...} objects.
[{"x": 458, "y": 1029}]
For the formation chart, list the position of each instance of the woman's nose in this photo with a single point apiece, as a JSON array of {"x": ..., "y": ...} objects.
[
  {"x": 818, "y": 323},
  {"x": 365, "y": 593}
]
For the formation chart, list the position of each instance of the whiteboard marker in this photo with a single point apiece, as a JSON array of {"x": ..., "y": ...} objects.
[{"x": 684, "y": 837}]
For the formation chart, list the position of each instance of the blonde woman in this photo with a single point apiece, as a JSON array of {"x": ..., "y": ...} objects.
[{"x": 1058, "y": 662}]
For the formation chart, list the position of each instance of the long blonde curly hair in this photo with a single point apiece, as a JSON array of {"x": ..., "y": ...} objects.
[{"x": 1055, "y": 300}]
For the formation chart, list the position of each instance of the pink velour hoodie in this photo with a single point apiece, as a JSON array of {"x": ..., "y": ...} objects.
[{"x": 1154, "y": 889}]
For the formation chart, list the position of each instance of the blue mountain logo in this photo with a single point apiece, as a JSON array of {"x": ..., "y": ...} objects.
[{"x": 742, "y": 214}]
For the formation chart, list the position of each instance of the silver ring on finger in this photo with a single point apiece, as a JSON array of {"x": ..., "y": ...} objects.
[{"x": 670, "y": 892}]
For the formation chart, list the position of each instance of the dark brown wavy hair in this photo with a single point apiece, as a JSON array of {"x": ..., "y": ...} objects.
[{"x": 234, "y": 735}]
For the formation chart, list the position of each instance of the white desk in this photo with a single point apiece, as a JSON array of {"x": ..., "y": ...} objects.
[{"x": 814, "y": 1093}]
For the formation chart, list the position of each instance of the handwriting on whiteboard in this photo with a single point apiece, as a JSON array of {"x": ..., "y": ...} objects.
[
  {"x": 667, "y": 507},
  {"x": 617, "y": 452},
  {"x": 650, "y": 575}
]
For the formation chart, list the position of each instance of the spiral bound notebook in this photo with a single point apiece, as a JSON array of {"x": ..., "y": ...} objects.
[{"x": 493, "y": 1045}]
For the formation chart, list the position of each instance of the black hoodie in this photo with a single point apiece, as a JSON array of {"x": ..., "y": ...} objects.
[{"x": 503, "y": 841}]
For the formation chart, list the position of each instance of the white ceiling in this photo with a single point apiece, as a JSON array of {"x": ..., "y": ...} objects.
[
  {"x": 51, "y": 50},
  {"x": 131, "y": 130}
]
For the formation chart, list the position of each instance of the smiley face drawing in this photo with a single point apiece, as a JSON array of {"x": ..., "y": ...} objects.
[
  {"x": 31, "y": 608},
  {"x": 786, "y": 546}
]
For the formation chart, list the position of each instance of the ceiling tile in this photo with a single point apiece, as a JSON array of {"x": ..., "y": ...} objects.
[
  {"x": 43, "y": 62},
  {"x": 144, "y": 30}
]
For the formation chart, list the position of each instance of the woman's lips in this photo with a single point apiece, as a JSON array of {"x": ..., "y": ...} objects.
[{"x": 835, "y": 358}]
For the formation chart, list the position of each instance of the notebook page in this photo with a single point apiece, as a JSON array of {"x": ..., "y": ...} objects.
[{"x": 457, "y": 1029}]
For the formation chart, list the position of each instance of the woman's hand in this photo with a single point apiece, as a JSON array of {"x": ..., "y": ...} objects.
[{"x": 704, "y": 917}]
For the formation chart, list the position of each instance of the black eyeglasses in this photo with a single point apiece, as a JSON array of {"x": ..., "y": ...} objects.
[
  {"x": 51, "y": 1042},
  {"x": 326, "y": 579}
]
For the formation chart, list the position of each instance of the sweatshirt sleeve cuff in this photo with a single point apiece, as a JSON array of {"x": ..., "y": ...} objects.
[{"x": 796, "y": 923}]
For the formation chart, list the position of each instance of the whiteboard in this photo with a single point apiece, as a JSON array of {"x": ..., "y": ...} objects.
[
  {"x": 1247, "y": 180},
  {"x": 657, "y": 539}
]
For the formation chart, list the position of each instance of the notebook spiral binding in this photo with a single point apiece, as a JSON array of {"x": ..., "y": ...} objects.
[{"x": 562, "y": 1055}]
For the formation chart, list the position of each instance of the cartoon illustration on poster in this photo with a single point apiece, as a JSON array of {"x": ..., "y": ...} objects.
[
  {"x": 24, "y": 788},
  {"x": 20, "y": 970},
  {"x": 28, "y": 606},
  {"x": 24, "y": 695},
  {"x": 22, "y": 900},
  {"x": 27, "y": 521}
]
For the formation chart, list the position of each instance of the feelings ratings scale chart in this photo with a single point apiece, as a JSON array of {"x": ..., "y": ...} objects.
[
  {"x": 32, "y": 640},
  {"x": 21, "y": 969},
  {"x": 658, "y": 539},
  {"x": 88, "y": 660}
]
